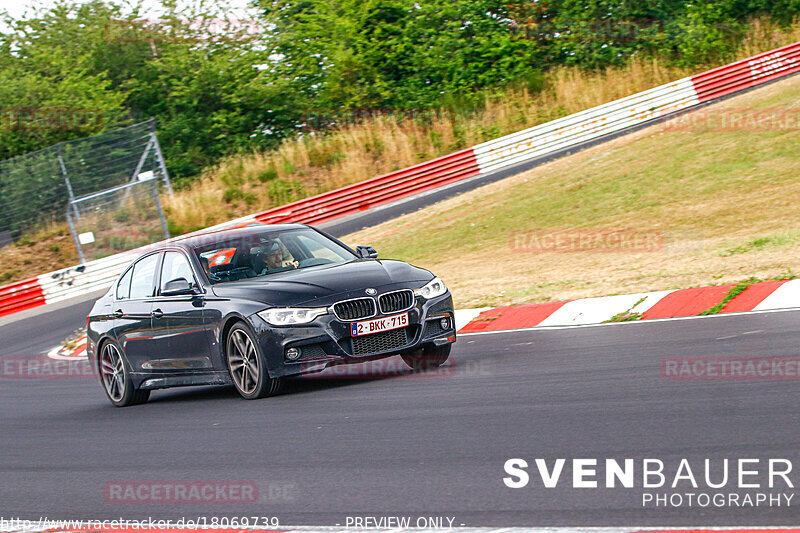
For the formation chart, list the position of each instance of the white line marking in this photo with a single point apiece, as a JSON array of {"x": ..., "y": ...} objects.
[{"x": 726, "y": 337}]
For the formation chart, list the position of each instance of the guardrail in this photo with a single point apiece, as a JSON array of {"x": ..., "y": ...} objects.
[
  {"x": 377, "y": 191},
  {"x": 585, "y": 126},
  {"x": 20, "y": 296},
  {"x": 549, "y": 138},
  {"x": 93, "y": 276},
  {"x": 747, "y": 73}
]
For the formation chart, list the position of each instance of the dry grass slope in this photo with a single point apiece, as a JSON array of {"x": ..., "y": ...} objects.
[{"x": 724, "y": 200}]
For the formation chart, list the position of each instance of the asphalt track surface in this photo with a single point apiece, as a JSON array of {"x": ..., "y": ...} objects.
[{"x": 417, "y": 445}]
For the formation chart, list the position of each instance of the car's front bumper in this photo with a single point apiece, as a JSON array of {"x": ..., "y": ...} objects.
[{"x": 327, "y": 340}]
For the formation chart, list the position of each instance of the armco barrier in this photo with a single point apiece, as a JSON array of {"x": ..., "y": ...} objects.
[
  {"x": 20, "y": 296},
  {"x": 585, "y": 126},
  {"x": 747, "y": 73},
  {"x": 377, "y": 191},
  {"x": 637, "y": 109},
  {"x": 74, "y": 281},
  {"x": 505, "y": 152}
]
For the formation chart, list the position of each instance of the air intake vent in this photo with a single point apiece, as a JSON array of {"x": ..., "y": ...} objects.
[
  {"x": 380, "y": 342},
  {"x": 432, "y": 328}
]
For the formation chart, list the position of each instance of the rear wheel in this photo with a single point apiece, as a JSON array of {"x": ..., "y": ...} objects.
[
  {"x": 116, "y": 378},
  {"x": 428, "y": 358},
  {"x": 247, "y": 366}
]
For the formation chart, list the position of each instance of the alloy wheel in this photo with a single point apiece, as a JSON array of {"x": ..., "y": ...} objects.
[
  {"x": 243, "y": 362},
  {"x": 113, "y": 372}
]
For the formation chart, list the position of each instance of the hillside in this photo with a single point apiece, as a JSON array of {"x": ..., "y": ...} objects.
[
  {"x": 363, "y": 147},
  {"x": 368, "y": 146},
  {"x": 717, "y": 188}
]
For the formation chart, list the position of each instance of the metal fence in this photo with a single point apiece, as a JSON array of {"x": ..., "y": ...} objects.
[
  {"x": 38, "y": 188},
  {"x": 115, "y": 220}
]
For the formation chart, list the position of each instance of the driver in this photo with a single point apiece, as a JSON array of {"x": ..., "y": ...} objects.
[{"x": 271, "y": 253}]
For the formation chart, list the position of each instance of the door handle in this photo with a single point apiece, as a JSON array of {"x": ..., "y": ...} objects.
[
  {"x": 157, "y": 313},
  {"x": 118, "y": 313}
]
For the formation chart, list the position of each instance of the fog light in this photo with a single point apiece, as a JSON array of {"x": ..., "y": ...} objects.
[
  {"x": 445, "y": 323},
  {"x": 293, "y": 354}
]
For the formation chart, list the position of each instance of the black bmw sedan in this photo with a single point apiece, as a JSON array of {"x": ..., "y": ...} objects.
[{"x": 254, "y": 305}]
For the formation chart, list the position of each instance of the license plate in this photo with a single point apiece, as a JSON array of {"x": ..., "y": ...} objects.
[{"x": 376, "y": 325}]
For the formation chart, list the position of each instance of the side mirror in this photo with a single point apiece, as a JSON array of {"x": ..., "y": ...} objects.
[
  {"x": 366, "y": 252},
  {"x": 177, "y": 287}
]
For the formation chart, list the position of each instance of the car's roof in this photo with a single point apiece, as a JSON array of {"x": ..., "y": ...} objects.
[{"x": 202, "y": 239}]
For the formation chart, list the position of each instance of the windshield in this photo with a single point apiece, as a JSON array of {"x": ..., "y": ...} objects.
[{"x": 268, "y": 252}]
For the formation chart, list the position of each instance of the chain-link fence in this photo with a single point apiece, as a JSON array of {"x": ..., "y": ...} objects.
[
  {"x": 40, "y": 187},
  {"x": 121, "y": 218}
]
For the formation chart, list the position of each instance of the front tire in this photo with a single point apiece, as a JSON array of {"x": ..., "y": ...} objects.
[
  {"x": 247, "y": 366},
  {"x": 116, "y": 379},
  {"x": 428, "y": 358}
]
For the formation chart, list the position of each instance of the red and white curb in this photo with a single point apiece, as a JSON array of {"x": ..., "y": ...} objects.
[
  {"x": 762, "y": 296},
  {"x": 71, "y": 353}
]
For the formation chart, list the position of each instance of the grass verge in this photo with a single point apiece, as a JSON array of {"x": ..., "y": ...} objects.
[{"x": 701, "y": 189}]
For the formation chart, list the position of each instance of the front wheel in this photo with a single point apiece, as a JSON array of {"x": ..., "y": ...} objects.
[
  {"x": 428, "y": 358},
  {"x": 247, "y": 366},
  {"x": 116, "y": 378}
]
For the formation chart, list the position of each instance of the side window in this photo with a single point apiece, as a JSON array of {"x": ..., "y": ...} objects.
[
  {"x": 124, "y": 286},
  {"x": 144, "y": 273},
  {"x": 175, "y": 266}
]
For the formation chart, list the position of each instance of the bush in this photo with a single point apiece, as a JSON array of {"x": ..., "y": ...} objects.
[
  {"x": 232, "y": 194},
  {"x": 267, "y": 175},
  {"x": 285, "y": 191},
  {"x": 122, "y": 216}
]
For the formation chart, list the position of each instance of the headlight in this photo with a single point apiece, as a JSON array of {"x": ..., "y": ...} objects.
[
  {"x": 432, "y": 289},
  {"x": 287, "y": 316}
]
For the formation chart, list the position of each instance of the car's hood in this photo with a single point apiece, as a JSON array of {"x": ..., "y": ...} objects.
[{"x": 321, "y": 286}]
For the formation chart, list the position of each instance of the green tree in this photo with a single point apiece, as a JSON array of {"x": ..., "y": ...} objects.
[
  {"x": 195, "y": 72},
  {"x": 49, "y": 90},
  {"x": 350, "y": 55},
  {"x": 711, "y": 31}
]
